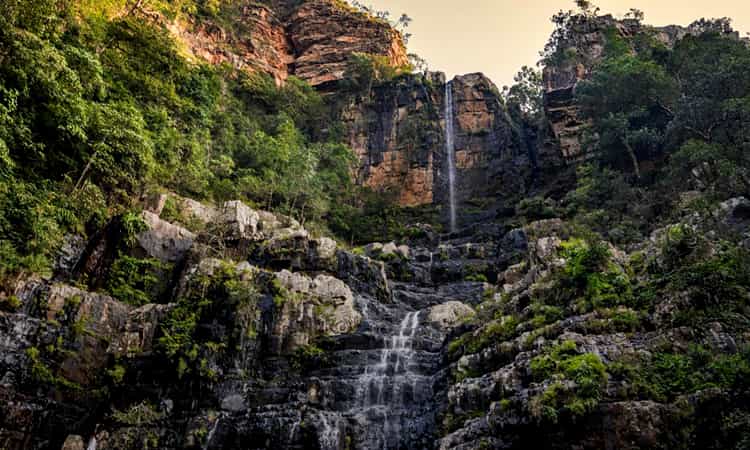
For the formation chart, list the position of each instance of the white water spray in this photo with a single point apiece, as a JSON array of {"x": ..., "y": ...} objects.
[{"x": 450, "y": 153}]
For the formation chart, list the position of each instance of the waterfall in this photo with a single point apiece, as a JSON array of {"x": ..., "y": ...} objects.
[
  {"x": 329, "y": 436},
  {"x": 393, "y": 366},
  {"x": 92, "y": 443},
  {"x": 450, "y": 153},
  {"x": 382, "y": 391}
]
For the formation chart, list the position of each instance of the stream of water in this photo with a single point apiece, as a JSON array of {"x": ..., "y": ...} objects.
[{"x": 450, "y": 153}]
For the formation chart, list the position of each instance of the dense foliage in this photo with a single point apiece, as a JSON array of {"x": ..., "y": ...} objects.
[
  {"x": 687, "y": 104},
  {"x": 100, "y": 106}
]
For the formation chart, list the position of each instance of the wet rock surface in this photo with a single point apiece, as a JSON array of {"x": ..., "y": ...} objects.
[
  {"x": 295, "y": 343},
  {"x": 303, "y": 345}
]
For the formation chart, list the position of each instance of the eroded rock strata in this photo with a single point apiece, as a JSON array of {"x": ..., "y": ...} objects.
[{"x": 221, "y": 326}]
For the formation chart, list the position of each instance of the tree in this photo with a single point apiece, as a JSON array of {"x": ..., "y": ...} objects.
[
  {"x": 629, "y": 102},
  {"x": 527, "y": 92},
  {"x": 718, "y": 26},
  {"x": 587, "y": 8},
  {"x": 711, "y": 125},
  {"x": 418, "y": 63},
  {"x": 724, "y": 169},
  {"x": 712, "y": 75},
  {"x": 37, "y": 16},
  {"x": 635, "y": 14},
  {"x": 121, "y": 154}
]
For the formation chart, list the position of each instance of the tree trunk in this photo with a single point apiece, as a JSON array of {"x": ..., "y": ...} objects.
[
  {"x": 633, "y": 158},
  {"x": 85, "y": 172}
]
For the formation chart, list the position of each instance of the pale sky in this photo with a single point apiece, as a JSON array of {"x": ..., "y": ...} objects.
[{"x": 497, "y": 37}]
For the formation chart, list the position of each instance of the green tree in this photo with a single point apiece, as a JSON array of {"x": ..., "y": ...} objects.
[
  {"x": 121, "y": 154},
  {"x": 629, "y": 102},
  {"x": 526, "y": 95}
]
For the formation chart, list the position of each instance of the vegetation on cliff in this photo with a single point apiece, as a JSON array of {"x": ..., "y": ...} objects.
[{"x": 98, "y": 105}]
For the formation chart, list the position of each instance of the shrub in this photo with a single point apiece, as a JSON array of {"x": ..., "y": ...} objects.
[
  {"x": 138, "y": 415},
  {"x": 225, "y": 295},
  {"x": 665, "y": 376},
  {"x": 535, "y": 208},
  {"x": 309, "y": 356},
  {"x": 589, "y": 279},
  {"x": 10, "y": 303},
  {"x": 577, "y": 382},
  {"x": 138, "y": 281},
  {"x": 494, "y": 332}
]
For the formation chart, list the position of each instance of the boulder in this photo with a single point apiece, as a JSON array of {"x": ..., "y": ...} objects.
[
  {"x": 163, "y": 240},
  {"x": 449, "y": 315},
  {"x": 238, "y": 221},
  {"x": 309, "y": 308},
  {"x": 74, "y": 442}
]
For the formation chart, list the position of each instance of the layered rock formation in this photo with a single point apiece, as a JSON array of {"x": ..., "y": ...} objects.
[
  {"x": 325, "y": 34},
  {"x": 399, "y": 136},
  {"x": 260, "y": 42},
  {"x": 312, "y": 41}
]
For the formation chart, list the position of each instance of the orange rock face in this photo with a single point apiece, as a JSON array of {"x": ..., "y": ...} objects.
[
  {"x": 314, "y": 42},
  {"x": 325, "y": 35},
  {"x": 259, "y": 44},
  {"x": 399, "y": 136},
  {"x": 414, "y": 185}
]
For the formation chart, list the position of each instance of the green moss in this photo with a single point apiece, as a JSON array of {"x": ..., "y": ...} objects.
[
  {"x": 44, "y": 374},
  {"x": 545, "y": 315},
  {"x": 137, "y": 281},
  {"x": 309, "y": 356},
  {"x": 226, "y": 293},
  {"x": 577, "y": 382},
  {"x": 10, "y": 303},
  {"x": 138, "y": 415},
  {"x": 494, "y": 332},
  {"x": 116, "y": 374},
  {"x": 476, "y": 278}
]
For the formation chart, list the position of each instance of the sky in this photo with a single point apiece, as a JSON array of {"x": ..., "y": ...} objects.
[{"x": 497, "y": 37}]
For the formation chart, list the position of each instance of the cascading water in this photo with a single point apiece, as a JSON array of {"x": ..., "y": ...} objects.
[
  {"x": 393, "y": 367},
  {"x": 450, "y": 153},
  {"x": 385, "y": 389}
]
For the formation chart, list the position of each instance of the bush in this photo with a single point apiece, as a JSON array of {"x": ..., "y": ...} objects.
[
  {"x": 577, "y": 382},
  {"x": 535, "y": 208},
  {"x": 494, "y": 332},
  {"x": 589, "y": 278},
  {"x": 226, "y": 295},
  {"x": 666, "y": 376},
  {"x": 138, "y": 281}
]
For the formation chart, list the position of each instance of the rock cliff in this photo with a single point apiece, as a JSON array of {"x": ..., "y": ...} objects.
[
  {"x": 399, "y": 135},
  {"x": 222, "y": 326},
  {"x": 312, "y": 41}
]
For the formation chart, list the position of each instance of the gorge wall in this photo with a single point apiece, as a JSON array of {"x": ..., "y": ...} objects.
[
  {"x": 189, "y": 325},
  {"x": 399, "y": 136},
  {"x": 311, "y": 40},
  {"x": 398, "y": 129}
]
